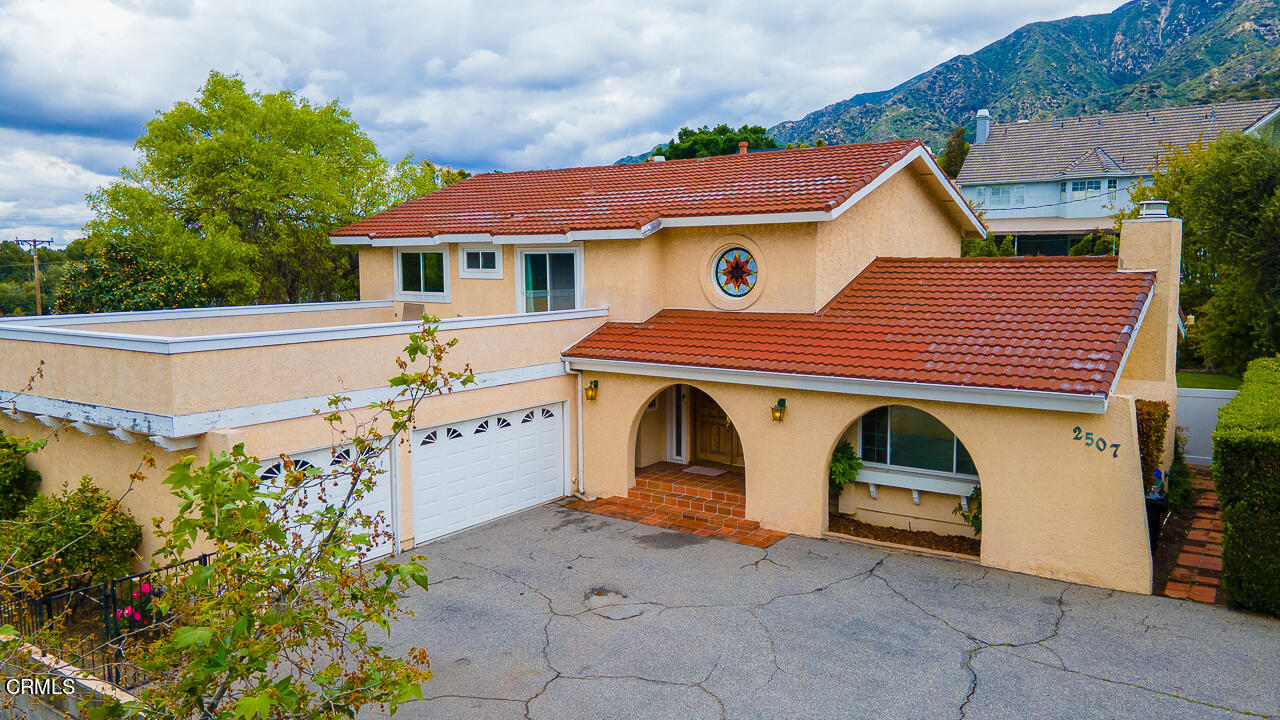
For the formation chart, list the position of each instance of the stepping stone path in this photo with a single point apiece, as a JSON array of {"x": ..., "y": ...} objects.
[{"x": 1199, "y": 564}]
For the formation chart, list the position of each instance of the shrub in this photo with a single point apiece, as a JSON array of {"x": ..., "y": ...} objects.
[
  {"x": 973, "y": 516},
  {"x": 1246, "y": 471},
  {"x": 18, "y": 483},
  {"x": 71, "y": 539},
  {"x": 1153, "y": 420},
  {"x": 1181, "y": 497},
  {"x": 845, "y": 465}
]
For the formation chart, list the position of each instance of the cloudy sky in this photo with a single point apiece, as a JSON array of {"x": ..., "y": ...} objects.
[{"x": 481, "y": 86}]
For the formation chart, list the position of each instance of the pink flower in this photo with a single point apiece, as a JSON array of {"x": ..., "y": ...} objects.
[
  {"x": 137, "y": 615},
  {"x": 135, "y": 596},
  {"x": 146, "y": 588},
  {"x": 129, "y": 611},
  {"x": 119, "y": 613}
]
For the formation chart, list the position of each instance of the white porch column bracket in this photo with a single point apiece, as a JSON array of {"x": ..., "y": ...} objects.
[
  {"x": 915, "y": 496},
  {"x": 49, "y": 420},
  {"x": 173, "y": 444},
  {"x": 871, "y": 488},
  {"x": 964, "y": 502},
  {"x": 85, "y": 428},
  {"x": 123, "y": 435}
]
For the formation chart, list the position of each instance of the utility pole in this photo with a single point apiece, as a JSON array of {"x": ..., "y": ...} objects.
[{"x": 35, "y": 263}]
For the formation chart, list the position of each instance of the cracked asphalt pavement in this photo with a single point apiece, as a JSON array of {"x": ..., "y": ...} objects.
[{"x": 556, "y": 613}]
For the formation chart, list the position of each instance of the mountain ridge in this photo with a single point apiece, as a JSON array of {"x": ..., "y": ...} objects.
[{"x": 1145, "y": 53}]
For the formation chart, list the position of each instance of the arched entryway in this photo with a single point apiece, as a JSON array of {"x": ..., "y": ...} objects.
[{"x": 916, "y": 476}]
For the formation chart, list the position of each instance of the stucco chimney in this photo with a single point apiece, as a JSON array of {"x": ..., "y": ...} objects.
[
  {"x": 984, "y": 127},
  {"x": 1153, "y": 241},
  {"x": 742, "y": 147}
]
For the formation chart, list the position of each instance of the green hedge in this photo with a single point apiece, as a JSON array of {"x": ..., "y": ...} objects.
[{"x": 1246, "y": 470}]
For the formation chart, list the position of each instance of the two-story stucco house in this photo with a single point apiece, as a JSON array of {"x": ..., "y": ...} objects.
[
  {"x": 688, "y": 338},
  {"x": 1049, "y": 183}
]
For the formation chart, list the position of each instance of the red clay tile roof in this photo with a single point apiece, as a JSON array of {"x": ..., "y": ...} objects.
[
  {"x": 1048, "y": 324},
  {"x": 619, "y": 197}
]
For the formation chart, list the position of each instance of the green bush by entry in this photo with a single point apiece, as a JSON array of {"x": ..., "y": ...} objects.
[
  {"x": 71, "y": 539},
  {"x": 1153, "y": 421},
  {"x": 1246, "y": 470}
]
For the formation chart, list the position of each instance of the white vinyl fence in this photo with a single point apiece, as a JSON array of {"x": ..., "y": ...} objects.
[{"x": 1198, "y": 413}]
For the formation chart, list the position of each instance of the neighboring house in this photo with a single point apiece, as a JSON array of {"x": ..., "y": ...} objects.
[
  {"x": 1049, "y": 183},
  {"x": 743, "y": 313}
]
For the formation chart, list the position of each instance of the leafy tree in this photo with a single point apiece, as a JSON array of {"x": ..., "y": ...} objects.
[
  {"x": 987, "y": 247},
  {"x": 720, "y": 140},
  {"x": 1228, "y": 196},
  {"x": 242, "y": 188},
  {"x": 115, "y": 279},
  {"x": 1095, "y": 243},
  {"x": 954, "y": 153}
]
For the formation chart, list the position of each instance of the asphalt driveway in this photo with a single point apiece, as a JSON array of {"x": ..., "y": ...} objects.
[{"x": 556, "y": 613}]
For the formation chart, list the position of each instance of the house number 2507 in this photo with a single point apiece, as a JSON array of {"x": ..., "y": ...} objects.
[{"x": 1097, "y": 442}]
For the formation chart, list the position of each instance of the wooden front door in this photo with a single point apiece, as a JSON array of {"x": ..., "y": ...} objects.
[{"x": 714, "y": 438}]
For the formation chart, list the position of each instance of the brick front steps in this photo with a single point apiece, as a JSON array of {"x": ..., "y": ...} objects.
[
  {"x": 665, "y": 496},
  {"x": 1199, "y": 567}
]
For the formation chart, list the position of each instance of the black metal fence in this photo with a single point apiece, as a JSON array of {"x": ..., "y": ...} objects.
[{"x": 97, "y": 619}]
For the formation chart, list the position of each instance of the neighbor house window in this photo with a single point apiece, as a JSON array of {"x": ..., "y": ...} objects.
[
  {"x": 1085, "y": 189},
  {"x": 980, "y": 194},
  {"x": 480, "y": 262},
  {"x": 1111, "y": 190},
  {"x": 1019, "y": 194},
  {"x": 1062, "y": 192},
  {"x": 549, "y": 280},
  {"x": 901, "y": 436},
  {"x": 1000, "y": 195},
  {"x": 423, "y": 275}
]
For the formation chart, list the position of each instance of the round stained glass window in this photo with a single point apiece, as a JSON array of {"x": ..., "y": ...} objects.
[{"x": 736, "y": 272}]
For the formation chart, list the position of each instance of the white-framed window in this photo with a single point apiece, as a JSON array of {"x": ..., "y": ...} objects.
[
  {"x": 480, "y": 261},
  {"x": 980, "y": 194},
  {"x": 1062, "y": 192},
  {"x": 549, "y": 278},
  {"x": 423, "y": 274},
  {"x": 1111, "y": 190},
  {"x": 904, "y": 437},
  {"x": 1086, "y": 189},
  {"x": 1000, "y": 195},
  {"x": 1019, "y": 194}
]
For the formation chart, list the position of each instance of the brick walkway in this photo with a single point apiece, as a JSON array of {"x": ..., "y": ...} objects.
[
  {"x": 1199, "y": 566},
  {"x": 666, "y": 496}
]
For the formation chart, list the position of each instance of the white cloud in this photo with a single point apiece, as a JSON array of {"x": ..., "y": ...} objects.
[{"x": 477, "y": 85}]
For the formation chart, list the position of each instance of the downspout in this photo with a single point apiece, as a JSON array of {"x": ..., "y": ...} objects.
[{"x": 581, "y": 493}]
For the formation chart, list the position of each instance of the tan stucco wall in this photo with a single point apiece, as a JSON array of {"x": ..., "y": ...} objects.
[
  {"x": 901, "y": 218},
  {"x": 219, "y": 379},
  {"x": 71, "y": 454},
  {"x": 651, "y": 437},
  {"x": 467, "y": 296},
  {"x": 893, "y": 507},
  {"x": 1051, "y": 506},
  {"x": 246, "y": 323},
  {"x": 1150, "y": 372}
]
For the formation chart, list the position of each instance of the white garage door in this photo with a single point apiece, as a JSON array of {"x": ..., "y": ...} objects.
[
  {"x": 377, "y": 503},
  {"x": 468, "y": 472}
]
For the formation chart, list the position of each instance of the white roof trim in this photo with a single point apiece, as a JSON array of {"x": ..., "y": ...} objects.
[
  {"x": 917, "y": 153},
  {"x": 188, "y": 313},
  {"x": 201, "y": 343},
  {"x": 1133, "y": 334},
  {"x": 1000, "y": 397},
  {"x": 1264, "y": 120},
  {"x": 178, "y": 431}
]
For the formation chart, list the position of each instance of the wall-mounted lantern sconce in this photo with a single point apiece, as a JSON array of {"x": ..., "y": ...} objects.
[
  {"x": 592, "y": 389},
  {"x": 779, "y": 410}
]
